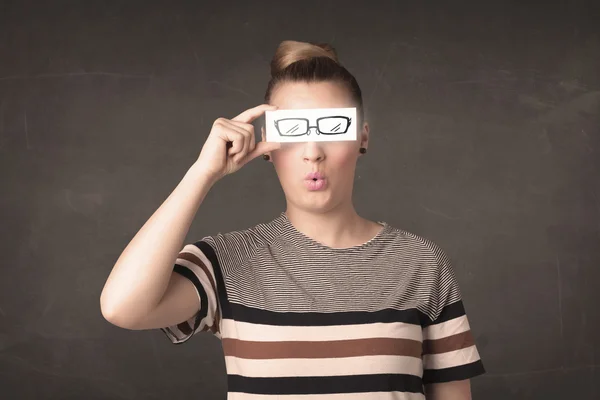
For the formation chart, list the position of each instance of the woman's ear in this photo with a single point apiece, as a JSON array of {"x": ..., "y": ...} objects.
[{"x": 364, "y": 136}]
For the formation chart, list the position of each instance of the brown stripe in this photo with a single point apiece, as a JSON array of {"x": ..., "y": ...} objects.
[
  {"x": 450, "y": 343},
  {"x": 194, "y": 259},
  {"x": 184, "y": 327},
  {"x": 327, "y": 349}
]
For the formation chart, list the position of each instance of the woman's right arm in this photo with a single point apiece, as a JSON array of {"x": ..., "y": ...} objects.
[
  {"x": 142, "y": 292},
  {"x": 143, "y": 272}
]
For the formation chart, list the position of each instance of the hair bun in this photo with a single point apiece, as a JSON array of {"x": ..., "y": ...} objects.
[{"x": 290, "y": 51}]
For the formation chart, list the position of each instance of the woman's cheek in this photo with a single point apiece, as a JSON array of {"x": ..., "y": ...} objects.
[
  {"x": 345, "y": 156},
  {"x": 282, "y": 154}
]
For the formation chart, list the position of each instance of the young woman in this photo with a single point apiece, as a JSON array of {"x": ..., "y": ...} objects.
[{"x": 316, "y": 302}]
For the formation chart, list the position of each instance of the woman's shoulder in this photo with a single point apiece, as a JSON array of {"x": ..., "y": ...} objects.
[
  {"x": 416, "y": 242},
  {"x": 253, "y": 236}
]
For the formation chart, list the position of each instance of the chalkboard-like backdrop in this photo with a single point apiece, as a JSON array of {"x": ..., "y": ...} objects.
[{"x": 485, "y": 138}]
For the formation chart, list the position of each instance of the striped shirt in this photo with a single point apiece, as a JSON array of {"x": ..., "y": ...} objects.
[{"x": 298, "y": 319}]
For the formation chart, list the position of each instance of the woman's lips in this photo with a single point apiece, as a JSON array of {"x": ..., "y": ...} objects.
[
  {"x": 315, "y": 184},
  {"x": 315, "y": 181},
  {"x": 314, "y": 175}
]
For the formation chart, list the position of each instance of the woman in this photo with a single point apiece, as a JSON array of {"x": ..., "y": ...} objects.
[{"x": 318, "y": 301}]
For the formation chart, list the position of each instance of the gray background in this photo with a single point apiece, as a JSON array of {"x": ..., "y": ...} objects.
[{"x": 485, "y": 138}]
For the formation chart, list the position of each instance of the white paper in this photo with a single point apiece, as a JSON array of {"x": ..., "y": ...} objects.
[{"x": 310, "y": 125}]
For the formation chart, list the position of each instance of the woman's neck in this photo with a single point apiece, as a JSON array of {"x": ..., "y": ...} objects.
[{"x": 338, "y": 228}]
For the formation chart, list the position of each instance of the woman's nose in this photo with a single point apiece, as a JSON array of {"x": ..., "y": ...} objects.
[{"x": 313, "y": 151}]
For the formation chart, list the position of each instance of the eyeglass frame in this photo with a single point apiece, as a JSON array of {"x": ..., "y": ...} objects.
[{"x": 307, "y": 133}]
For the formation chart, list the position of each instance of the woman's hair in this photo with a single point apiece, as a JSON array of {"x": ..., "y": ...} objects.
[{"x": 311, "y": 62}]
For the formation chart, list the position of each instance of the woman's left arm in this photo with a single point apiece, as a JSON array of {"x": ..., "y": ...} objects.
[
  {"x": 450, "y": 356},
  {"x": 455, "y": 390}
]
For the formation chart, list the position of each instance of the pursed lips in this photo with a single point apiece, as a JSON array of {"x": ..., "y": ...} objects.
[{"x": 314, "y": 176}]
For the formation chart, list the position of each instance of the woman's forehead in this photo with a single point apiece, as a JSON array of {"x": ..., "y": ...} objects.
[{"x": 294, "y": 95}]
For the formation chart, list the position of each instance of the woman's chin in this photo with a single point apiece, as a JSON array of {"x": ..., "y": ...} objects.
[{"x": 317, "y": 203}]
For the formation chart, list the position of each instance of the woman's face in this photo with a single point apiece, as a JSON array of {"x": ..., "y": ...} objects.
[{"x": 336, "y": 161}]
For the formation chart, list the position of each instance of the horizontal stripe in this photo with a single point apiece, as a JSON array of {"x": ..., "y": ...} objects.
[
  {"x": 184, "y": 327},
  {"x": 325, "y": 384},
  {"x": 445, "y": 329},
  {"x": 200, "y": 288},
  {"x": 330, "y": 349},
  {"x": 170, "y": 334},
  {"x": 212, "y": 306},
  {"x": 324, "y": 367},
  {"x": 458, "y": 373},
  {"x": 268, "y": 333},
  {"x": 257, "y": 316},
  {"x": 449, "y": 312},
  {"x": 175, "y": 335},
  {"x": 448, "y": 344},
  {"x": 336, "y": 396},
  {"x": 451, "y": 358},
  {"x": 209, "y": 252},
  {"x": 194, "y": 259},
  {"x": 193, "y": 265}
]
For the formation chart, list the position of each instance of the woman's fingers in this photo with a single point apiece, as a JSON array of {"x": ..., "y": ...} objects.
[
  {"x": 248, "y": 128},
  {"x": 240, "y": 139},
  {"x": 252, "y": 113}
]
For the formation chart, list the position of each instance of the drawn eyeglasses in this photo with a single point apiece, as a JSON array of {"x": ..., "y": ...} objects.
[{"x": 335, "y": 125}]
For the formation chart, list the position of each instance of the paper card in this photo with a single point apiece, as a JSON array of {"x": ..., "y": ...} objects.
[{"x": 310, "y": 125}]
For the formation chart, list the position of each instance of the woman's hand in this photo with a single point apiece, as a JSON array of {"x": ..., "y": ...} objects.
[{"x": 232, "y": 143}]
